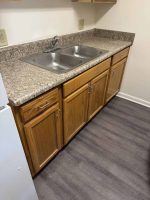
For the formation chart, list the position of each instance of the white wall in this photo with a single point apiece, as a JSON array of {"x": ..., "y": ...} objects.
[
  {"x": 132, "y": 16},
  {"x": 29, "y": 20}
]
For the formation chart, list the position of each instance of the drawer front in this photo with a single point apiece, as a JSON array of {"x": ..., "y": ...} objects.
[
  {"x": 85, "y": 77},
  {"x": 119, "y": 56},
  {"x": 37, "y": 106}
]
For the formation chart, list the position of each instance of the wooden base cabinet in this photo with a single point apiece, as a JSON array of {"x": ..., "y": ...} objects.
[
  {"x": 87, "y": 93},
  {"x": 40, "y": 128},
  {"x": 83, "y": 104},
  {"x": 115, "y": 79},
  {"x": 49, "y": 121},
  {"x": 75, "y": 112},
  {"x": 43, "y": 136}
]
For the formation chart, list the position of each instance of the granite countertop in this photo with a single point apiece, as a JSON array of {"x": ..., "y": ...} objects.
[{"x": 24, "y": 81}]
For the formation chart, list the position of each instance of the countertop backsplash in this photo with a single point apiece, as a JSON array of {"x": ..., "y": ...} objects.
[{"x": 17, "y": 51}]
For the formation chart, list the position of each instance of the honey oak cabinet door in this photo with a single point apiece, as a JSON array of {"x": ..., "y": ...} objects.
[
  {"x": 97, "y": 93},
  {"x": 75, "y": 112},
  {"x": 43, "y": 135},
  {"x": 115, "y": 79}
]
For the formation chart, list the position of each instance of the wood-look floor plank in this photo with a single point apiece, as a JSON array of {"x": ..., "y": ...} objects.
[{"x": 108, "y": 160}]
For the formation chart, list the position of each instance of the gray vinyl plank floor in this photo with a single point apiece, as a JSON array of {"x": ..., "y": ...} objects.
[{"x": 108, "y": 160}]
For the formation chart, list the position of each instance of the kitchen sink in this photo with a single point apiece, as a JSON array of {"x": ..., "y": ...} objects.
[
  {"x": 54, "y": 62},
  {"x": 64, "y": 60},
  {"x": 81, "y": 51}
]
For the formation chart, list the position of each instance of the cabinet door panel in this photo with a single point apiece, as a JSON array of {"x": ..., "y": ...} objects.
[
  {"x": 43, "y": 137},
  {"x": 75, "y": 112},
  {"x": 115, "y": 79},
  {"x": 97, "y": 94}
]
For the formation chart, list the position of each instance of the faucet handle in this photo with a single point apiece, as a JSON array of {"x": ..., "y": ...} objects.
[{"x": 56, "y": 37}]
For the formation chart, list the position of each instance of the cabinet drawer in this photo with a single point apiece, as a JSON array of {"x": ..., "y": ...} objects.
[
  {"x": 119, "y": 56},
  {"x": 37, "y": 106},
  {"x": 85, "y": 77}
]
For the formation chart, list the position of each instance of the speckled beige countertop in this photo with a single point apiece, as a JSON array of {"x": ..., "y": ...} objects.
[{"x": 24, "y": 81}]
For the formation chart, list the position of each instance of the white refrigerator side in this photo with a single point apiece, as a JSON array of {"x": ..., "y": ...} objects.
[
  {"x": 3, "y": 95},
  {"x": 15, "y": 179}
]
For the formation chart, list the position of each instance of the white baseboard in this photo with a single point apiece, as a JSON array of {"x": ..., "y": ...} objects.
[{"x": 134, "y": 99}]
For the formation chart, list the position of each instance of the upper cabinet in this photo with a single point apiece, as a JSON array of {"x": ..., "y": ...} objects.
[{"x": 95, "y": 1}]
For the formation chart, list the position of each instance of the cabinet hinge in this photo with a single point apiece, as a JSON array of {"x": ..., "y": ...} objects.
[
  {"x": 90, "y": 89},
  {"x": 58, "y": 113}
]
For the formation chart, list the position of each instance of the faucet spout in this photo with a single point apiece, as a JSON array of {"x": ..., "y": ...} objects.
[
  {"x": 54, "y": 42},
  {"x": 53, "y": 45}
]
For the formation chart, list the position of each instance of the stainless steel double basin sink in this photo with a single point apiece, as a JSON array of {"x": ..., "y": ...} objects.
[{"x": 65, "y": 59}]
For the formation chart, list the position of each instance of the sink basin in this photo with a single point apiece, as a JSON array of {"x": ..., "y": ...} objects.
[
  {"x": 54, "y": 62},
  {"x": 84, "y": 52},
  {"x": 64, "y": 60}
]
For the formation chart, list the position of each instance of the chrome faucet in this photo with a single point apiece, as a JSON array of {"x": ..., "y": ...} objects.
[{"x": 54, "y": 42}]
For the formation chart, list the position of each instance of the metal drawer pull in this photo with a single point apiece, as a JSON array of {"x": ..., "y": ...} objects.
[{"x": 44, "y": 106}]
